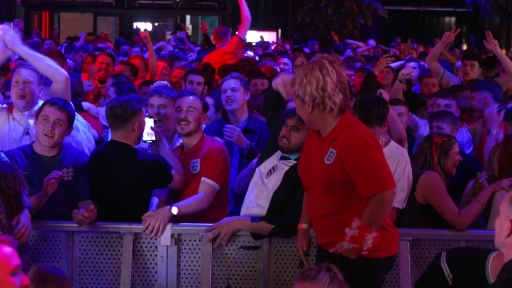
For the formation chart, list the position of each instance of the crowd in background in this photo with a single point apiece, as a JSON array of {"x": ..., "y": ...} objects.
[{"x": 402, "y": 135}]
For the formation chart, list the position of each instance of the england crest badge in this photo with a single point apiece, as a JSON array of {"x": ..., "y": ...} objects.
[
  {"x": 68, "y": 174},
  {"x": 331, "y": 154},
  {"x": 195, "y": 166}
]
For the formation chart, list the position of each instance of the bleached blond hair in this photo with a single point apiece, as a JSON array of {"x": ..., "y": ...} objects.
[{"x": 324, "y": 83}]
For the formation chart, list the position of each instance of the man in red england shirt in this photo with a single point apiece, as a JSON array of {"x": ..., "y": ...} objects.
[
  {"x": 230, "y": 49},
  {"x": 205, "y": 160},
  {"x": 349, "y": 186}
]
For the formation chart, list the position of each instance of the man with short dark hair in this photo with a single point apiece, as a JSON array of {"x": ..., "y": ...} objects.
[
  {"x": 373, "y": 112},
  {"x": 128, "y": 69},
  {"x": 258, "y": 81},
  {"x": 285, "y": 64},
  {"x": 123, "y": 179},
  {"x": 195, "y": 79},
  {"x": 230, "y": 49},
  {"x": 56, "y": 173}
]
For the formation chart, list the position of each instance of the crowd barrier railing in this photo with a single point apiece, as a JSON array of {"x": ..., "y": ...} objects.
[{"x": 119, "y": 255}]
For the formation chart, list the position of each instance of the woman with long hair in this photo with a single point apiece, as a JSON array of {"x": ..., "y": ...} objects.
[
  {"x": 429, "y": 204},
  {"x": 12, "y": 194}
]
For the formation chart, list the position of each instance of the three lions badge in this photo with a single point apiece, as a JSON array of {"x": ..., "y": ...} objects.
[
  {"x": 329, "y": 158},
  {"x": 195, "y": 166}
]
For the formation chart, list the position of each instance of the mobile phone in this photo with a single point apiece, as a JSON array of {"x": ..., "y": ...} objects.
[
  {"x": 149, "y": 135},
  {"x": 385, "y": 52}
]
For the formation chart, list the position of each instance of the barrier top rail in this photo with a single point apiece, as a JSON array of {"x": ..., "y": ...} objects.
[{"x": 194, "y": 228}]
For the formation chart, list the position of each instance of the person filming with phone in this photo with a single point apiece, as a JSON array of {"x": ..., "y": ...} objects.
[{"x": 126, "y": 182}]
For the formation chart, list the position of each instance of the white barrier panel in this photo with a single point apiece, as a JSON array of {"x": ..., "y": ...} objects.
[{"x": 118, "y": 255}]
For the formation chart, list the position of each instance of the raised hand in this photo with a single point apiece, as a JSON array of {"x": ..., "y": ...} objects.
[
  {"x": 491, "y": 43},
  {"x": 10, "y": 38},
  {"x": 84, "y": 216},
  {"x": 223, "y": 231},
  {"x": 235, "y": 135},
  {"x": 145, "y": 36},
  {"x": 449, "y": 37},
  {"x": 204, "y": 27},
  {"x": 405, "y": 74},
  {"x": 383, "y": 62}
]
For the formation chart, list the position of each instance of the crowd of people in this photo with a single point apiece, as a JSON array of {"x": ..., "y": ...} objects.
[{"x": 276, "y": 139}]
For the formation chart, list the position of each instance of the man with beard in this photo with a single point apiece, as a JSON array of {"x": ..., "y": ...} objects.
[
  {"x": 125, "y": 181},
  {"x": 204, "y": 198},
  {"x": 272, "y": 187}
]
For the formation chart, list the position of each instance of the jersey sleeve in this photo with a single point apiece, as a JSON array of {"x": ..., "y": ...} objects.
[
  {"x": 215, "y": 165},
  {"x": 366, "y": 165}
]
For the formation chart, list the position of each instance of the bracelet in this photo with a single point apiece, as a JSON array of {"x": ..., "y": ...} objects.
[
  {"x": 479, "y": 202},
  {"x": 400, "y": 81},
  {"x": 304, "y": 226}
]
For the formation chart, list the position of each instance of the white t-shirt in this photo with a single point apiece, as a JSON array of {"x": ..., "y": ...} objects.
[{"x": 400, "y": 165}]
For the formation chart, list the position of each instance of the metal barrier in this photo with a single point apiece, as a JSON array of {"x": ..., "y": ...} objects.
[{"x": 119, "y": 255}]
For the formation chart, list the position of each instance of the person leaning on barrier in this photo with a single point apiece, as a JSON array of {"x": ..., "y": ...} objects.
[
  {"x": 271, "y": 185},
  {"x": 323, "y": 275},
  {"x": 125, "y": 181},
  {"x": 429, "y": 205},
  {"x": 204, "y": 197},
  {"x": 56, "y": 173},
  {"x": 11, "y": 275}
]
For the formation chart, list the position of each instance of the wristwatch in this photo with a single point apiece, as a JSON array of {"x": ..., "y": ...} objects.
[{"x": 174, "y": 210}]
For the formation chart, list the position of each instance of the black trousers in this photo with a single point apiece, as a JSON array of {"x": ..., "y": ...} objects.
[{"x": 361, "y": 272}]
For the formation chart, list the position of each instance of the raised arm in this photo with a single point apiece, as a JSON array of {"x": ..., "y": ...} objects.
[
  {"x": 61, "y": 86},
  {"x": 494, "y": 47},
  {"x": 246, "y": 19},
  {"x": 204, "y": 28},
  {"x": 151, "y": 55},
  {"x": 397, "y": 91},
  {"x": 355, "y": 43},
  {"x": 433, "y": 56}
]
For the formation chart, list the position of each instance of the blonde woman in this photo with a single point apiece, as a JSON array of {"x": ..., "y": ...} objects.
[{"x": 348, "y": 183}]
